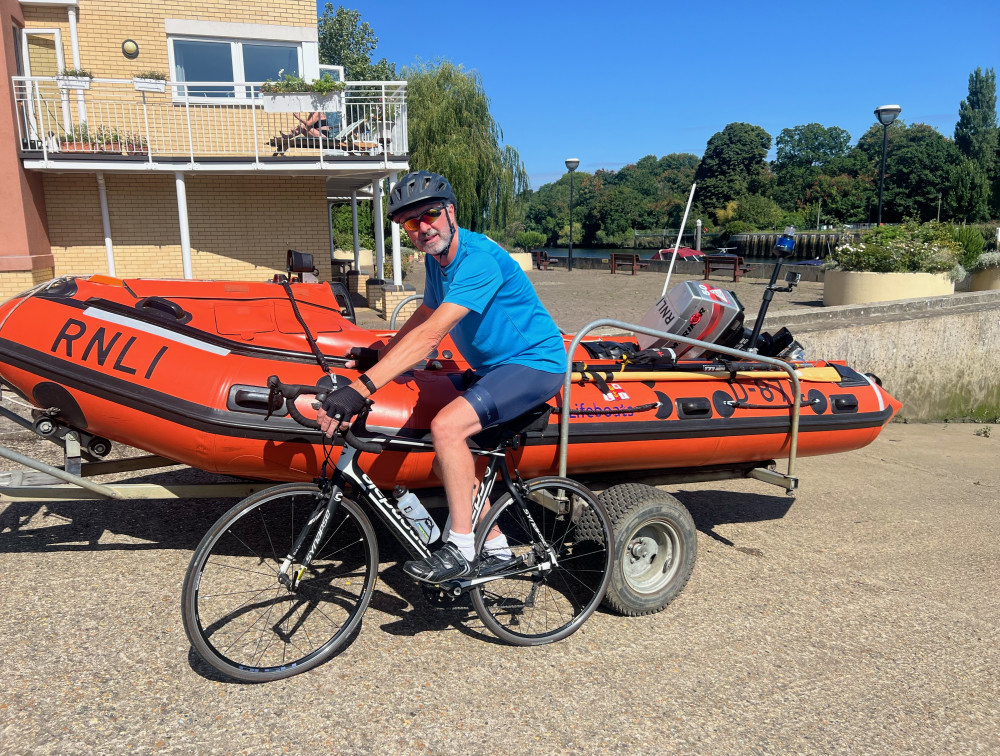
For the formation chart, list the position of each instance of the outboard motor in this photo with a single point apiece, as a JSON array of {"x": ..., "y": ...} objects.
[{"x": 699, "y": 310}]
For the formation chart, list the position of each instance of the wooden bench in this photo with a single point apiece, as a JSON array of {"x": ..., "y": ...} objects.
[
  {"x": 734, "y": 263},
  {"x": 626, "y": 258},
  {"x": 540, "y": 259}
]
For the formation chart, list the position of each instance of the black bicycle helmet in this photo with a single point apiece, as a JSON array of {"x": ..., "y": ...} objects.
[{"x": 418, "y": 188}]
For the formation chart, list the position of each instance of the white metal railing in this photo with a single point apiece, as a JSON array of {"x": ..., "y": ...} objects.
[{"x": 201, "y": 120}]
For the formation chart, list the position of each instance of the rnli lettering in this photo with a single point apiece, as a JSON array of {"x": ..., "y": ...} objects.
[
  {"x": 666, "y": 314},
  {"x": 101, "y": 345}
]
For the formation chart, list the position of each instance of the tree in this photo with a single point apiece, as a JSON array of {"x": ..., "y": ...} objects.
[
  {"x": 919, "y": 167},
  {"x": 345, "y": 40},
  {"x": 803, "y": 153},
  {"x": 751, "y": 211},
  {"x": 811, "y": 145},
  {"x": 968, "y": 199},
  {"x": 452, "y": 132},
  {"x": 978, "y": 138},
  {"x": 733, "y": 165},
  {"x": 976, "y": 131}
]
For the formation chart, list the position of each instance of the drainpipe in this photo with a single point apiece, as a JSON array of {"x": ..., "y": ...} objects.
[
  {"x": 379, "y": 230},
  {"x": 102, "y": 193},
  {"x": 182, "y": 217},
  {"x": 397, "y": 267}
]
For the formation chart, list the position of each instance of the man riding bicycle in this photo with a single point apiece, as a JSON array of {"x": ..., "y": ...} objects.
[{"x": 476, "y": 292}]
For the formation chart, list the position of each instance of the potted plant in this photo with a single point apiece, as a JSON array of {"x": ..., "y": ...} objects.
[
  {"x": 80, "y": 139},
  {"x": 119, "y": 142},
  {"x": 893, "y": 262},
  {"x": 292, "y": 94},
  {"x": 986, "y": 272},
  {"x": 74, "y": 78},
  {"x": 150, "y": 81}
]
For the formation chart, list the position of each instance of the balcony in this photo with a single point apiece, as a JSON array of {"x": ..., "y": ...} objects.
[{"x": 112, "y": 125}]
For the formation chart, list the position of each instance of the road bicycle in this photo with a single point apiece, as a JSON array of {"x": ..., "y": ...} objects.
[{"x": 281, "y": 581}]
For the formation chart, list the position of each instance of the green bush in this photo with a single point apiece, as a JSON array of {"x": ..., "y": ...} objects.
[
  {"x": 972, "y": 242},
  {"x": 290, "y": 84},
  {"x": 987, "y": 261},
  {"x": 528, "y": 240},
  {"x": 405, "y": 260},
  {"x": 907, "y": 248}
]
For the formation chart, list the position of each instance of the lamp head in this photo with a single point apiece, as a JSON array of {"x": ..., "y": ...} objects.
[
  {"x": 572, "y": 163},
  {"x": 886, "y": 114}
]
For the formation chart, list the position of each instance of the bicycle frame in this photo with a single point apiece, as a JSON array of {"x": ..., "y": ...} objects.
[{"x": 347, "y": 470}]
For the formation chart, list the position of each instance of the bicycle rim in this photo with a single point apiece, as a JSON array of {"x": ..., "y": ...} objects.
[
  {"x": 243, "y": 621},
  {"x": 547, "y": 604}
]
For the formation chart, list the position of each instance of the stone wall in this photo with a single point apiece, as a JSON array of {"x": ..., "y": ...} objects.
[{"x": 940, "y": 356}]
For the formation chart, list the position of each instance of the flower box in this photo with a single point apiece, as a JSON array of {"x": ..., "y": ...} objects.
[
  {"x": 845, "y": 287},
  {"x": 149, "y": 85},
  {"x": 73, "y": 82},
  {"x": 299, "y": 102}
]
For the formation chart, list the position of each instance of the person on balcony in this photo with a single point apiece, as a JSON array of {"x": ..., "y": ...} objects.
[
  {"x": 316, "y": 125},
  {"x": 475, "y": 291}
]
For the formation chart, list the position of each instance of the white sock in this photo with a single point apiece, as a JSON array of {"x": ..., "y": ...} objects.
[
  {"x": 466, "y": 543},
  {"x": 498, "y": 547}
]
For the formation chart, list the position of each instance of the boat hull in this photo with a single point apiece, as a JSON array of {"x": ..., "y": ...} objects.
[{"x": 180, "y": 369}]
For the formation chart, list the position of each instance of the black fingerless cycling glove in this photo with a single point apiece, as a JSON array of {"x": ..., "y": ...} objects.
[
  {"x": 343, "y": 404},
  {"x": 364, "y": 357}
]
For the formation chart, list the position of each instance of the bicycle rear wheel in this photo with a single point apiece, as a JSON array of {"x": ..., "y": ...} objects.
[
  {"x": 542, "y": 599},
  {"x": 244, "y": 622}
]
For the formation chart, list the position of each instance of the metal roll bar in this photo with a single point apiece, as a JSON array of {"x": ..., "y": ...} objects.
[
  {"x": 788, "y": 481},
  {"x": 397, "y": 308}
]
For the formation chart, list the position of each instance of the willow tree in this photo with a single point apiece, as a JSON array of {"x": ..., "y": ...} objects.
[{"x": 452, "y": 132}]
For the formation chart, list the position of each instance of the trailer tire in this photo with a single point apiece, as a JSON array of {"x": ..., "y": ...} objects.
[{"x": 656, "y": 545}]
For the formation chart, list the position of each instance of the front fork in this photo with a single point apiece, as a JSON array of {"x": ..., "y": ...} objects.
[{"x": 329, "y": 498}]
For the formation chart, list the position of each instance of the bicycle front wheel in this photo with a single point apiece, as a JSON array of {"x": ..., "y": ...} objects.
[
  {"x": 563, "y": 549},
  {"x": 245, "y": 622}
]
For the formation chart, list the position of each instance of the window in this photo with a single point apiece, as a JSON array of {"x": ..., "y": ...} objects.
[{"x": 202, "y": 60}]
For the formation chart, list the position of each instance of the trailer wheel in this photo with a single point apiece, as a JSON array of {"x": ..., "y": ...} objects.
[{"x": 655, "y": 548}]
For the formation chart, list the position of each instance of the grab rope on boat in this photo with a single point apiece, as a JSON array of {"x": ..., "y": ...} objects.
[
  {"x": 320, "y": 358},
  {"x": 740, "y": 404}
]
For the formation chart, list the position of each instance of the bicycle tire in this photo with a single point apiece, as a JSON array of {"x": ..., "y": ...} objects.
[
  {"x": 544, "y": 606},
  {"x": 246, "y": 624}
]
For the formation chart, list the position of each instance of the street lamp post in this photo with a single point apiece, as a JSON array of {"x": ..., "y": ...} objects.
[
  {"x": 571, "y": 164},
  {"x": 886, "y": 114}
]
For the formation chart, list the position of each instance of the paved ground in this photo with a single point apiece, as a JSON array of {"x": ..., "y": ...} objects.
[
  {"x": 582, "y": 296},
  {"x": 860, "y": 618}
]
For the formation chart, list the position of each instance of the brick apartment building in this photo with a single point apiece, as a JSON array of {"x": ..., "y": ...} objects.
[{"x": 120, "y": 179}]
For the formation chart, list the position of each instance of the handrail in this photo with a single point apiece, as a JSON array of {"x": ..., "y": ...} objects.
[
  {"x": 634, "y": 328},
  {"x": 395, "y": 311}
]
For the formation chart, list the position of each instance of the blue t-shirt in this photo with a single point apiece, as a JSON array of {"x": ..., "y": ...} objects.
[{"x": 507, "y": 323}]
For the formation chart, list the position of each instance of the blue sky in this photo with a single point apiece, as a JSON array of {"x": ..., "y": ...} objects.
[{"x": 610, "y": 82}]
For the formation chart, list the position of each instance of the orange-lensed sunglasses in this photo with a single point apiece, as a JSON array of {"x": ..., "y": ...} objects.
[{"x": 428, "y": 216}]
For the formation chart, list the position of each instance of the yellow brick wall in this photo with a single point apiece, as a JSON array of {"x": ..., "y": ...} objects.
[
  {"x": 240, "y": 226},
  {"x": 102, "y": 26},
  {"x": 13, "y": 283}
]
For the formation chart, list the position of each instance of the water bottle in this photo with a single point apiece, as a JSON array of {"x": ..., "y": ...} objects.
[{"x": 416, "y": 513}]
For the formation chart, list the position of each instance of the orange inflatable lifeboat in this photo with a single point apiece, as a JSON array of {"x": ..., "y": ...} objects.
[{"x": 180, "y": 369}]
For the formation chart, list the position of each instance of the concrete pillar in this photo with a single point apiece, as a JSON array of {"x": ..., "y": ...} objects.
[
  {"x": 354, "y": 220},
  {"x": 379, "y": 231},
  {"x": 397, "y": 263}
]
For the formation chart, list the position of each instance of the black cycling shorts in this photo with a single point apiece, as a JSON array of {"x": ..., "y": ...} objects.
[{"x": 509, "y": 391}]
